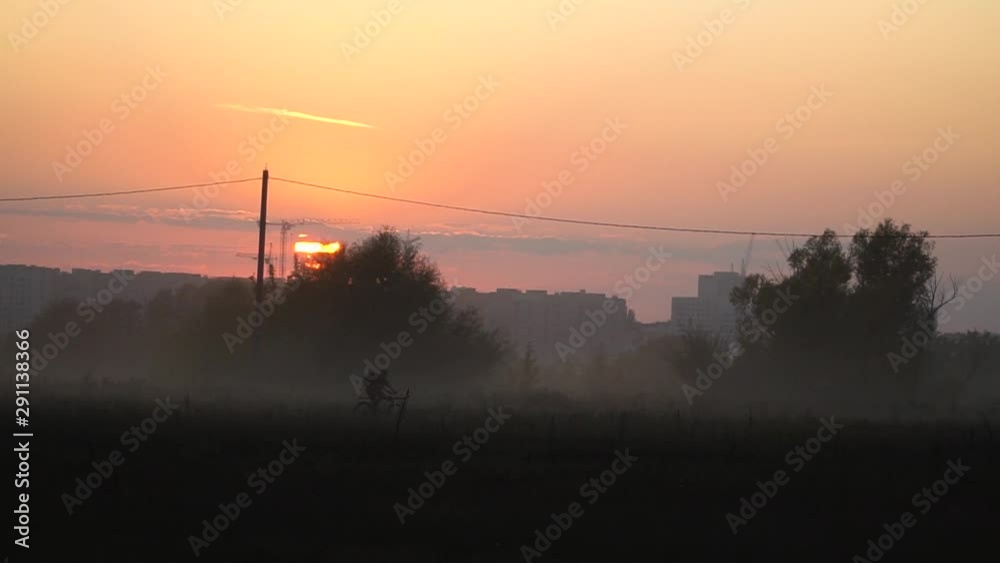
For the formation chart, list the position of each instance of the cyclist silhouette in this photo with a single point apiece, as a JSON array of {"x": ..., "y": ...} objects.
[{"x": 379, "y": 396}]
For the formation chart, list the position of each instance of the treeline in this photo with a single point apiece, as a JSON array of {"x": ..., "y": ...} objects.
[
  {"x": 848, "y": 322},
  {"x": 868, "y": 315},
  {"x": 853, "y": 322},
  {"x": 380, "y": 302}
]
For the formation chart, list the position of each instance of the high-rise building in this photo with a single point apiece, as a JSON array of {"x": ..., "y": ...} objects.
[
  {"x": 542, "y": 320},
  {"x": 25, "y": 291},
  {"x": 711, "y": 310}
]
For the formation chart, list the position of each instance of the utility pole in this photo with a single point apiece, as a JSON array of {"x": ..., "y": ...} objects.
[{"x": 260, "y": 244}]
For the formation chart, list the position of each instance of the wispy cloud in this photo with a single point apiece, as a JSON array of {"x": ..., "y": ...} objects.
[
  {"x": 226, "y": 219},
  {"x": 295, "y": 115},
  {"x": 438, "y": 239}
]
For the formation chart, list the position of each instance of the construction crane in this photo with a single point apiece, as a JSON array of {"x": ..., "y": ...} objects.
[
  {"x": 253, "y": 255},
  {"x": 288, "y": 225}
]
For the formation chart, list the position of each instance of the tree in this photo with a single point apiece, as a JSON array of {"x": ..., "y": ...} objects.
[
  {"x": 525, "y": 372},
  {"x": 372, "y": 296},
  {"x": 70, "y": 338},
  {"x": 695, "y": 350},
  {"x": 379, "y": 299},
  {"x": 852, "y": 307}
]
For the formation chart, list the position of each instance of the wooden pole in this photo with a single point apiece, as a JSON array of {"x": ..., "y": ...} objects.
[{"x": 263, "y": 234}]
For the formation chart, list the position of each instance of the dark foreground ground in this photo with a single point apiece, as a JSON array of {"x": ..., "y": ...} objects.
[{"x": 335, "y": 501}]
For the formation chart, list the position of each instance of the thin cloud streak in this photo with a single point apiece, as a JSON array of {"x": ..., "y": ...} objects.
[{"x": 295, "y": 115}]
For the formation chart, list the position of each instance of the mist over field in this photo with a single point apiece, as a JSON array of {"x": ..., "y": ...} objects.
[
  {"x": 539, "y": 281},
  {"x": 822, "y": 338},
  {"x": 392, "y": 404},
  {"x": 358, "y": 394}
]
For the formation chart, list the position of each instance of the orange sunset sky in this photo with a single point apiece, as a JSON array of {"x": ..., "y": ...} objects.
[{"x": 540, "y": 85}]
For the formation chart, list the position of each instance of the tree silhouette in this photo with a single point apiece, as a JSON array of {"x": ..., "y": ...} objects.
[
  {"x": 851, "y": 307},
  {"x": 360, "y": 302},
  {"x": 525, "y": 372},
  {"x": 380, "y": 296}
]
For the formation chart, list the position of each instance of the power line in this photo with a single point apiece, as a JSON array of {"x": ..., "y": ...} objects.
[
  {"x": 564, "y": 220},
  {"x": 124, "y": 192},
  {"x": 600, "y": 223}
]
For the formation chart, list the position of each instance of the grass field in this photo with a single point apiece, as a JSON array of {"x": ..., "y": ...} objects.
[{"x": 335, "y": 502}]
